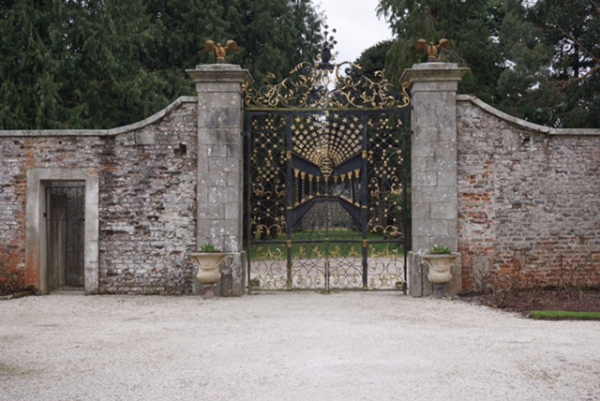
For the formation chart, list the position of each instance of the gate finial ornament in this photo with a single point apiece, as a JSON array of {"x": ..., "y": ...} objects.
[
  {"x": 219, "y": 50},
  {"x": 432, "y": 50},
  {"x": 326, "y": 47}
]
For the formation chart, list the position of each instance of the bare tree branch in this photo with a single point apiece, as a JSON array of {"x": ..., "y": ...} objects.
[
  {"x": 590, "y": 72},
  {"x": 594, "y": 4},
  {"x": 583, "y": 49}
]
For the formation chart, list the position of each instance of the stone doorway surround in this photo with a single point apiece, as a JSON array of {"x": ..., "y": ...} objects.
[{"x": 36, "y": 240}]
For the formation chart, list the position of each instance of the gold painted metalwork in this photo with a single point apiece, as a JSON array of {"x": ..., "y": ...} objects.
[
  {"x": 331, "y": 145},
  {"x": 311, "y": 87},
  {"x": 219, "y": 50},
  {"x": 325, "y": 182},
  {"x": 432, "y": 50},
  {"x": 354, "y": 253},
  {"x": 269, "y": 253}
]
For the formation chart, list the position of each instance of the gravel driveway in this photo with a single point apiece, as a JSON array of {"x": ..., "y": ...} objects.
[{"x": 289, "y": 346}]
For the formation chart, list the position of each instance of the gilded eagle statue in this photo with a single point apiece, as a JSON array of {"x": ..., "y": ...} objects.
[
  {"x": 220, "y": 51},
  {"x": 432, "y": 50}
]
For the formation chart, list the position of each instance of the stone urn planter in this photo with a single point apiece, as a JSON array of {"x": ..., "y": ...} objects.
[
  {"x": 440, "y": 262},
  {"x": 208, "y": 261}
]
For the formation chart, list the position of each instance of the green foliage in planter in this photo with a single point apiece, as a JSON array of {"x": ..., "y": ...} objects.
[
  {"x": 440, "y": 250},
  {"x": 209, "y": 248}
]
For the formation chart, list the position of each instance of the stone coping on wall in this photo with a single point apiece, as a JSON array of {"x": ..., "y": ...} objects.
[
  {"x": 102, "y": 132},
  {"x": 526, "y": 124}
]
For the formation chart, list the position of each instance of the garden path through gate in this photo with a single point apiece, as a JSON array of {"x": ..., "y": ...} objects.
[{"x": 326, "y": 181}]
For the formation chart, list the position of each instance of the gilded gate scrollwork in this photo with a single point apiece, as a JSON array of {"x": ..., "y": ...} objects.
[{"x": 326, "y": 181}]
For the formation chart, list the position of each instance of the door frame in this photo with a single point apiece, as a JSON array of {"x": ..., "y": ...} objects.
[{"x": 36, "y": 228}]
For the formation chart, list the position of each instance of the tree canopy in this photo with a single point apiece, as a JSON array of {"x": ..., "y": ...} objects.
[
  {"x": 537, "y": 60},
  {"x": 471, "y": 26},
  {"x": 106, "y": 63},
  {"x": 372, "y": 60},
  {"x": 555, "y": 62}
]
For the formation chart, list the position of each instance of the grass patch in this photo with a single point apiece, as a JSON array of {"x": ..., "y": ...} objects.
[{"x": 564, "y": 315}]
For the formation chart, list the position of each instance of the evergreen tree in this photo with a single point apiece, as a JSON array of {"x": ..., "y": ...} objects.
[
  {"x": 75, "y": 64},
  {"x": 572, "y": 30},
  {"x": 273, "y": 36},
  {"x": 537, "y": 60},
  {"x": 277, "y": 35},
  {"x": 471, "y": 26},
  {"x": 32, "y": 56},
  {"x": 108, "y": 83},
  {"x": 105, "y": 63},
  {"x": 373, "y": 59},
  {"x": 526, "y": 57},
  {"x": 182, "y": 27}
]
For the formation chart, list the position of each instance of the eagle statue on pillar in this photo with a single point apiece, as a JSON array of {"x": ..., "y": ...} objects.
[
  {"x": 432, "y": 50},
  {"x": 219, "y": 50}
]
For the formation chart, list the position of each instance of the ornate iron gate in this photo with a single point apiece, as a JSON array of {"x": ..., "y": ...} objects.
[{"x": 326, "y": 181}]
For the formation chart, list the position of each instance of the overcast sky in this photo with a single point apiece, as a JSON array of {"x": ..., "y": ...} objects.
[{"x": 358, "y": 27}]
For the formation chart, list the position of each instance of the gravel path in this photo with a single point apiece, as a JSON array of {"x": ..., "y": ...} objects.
[{"x": 288, "y": 346}]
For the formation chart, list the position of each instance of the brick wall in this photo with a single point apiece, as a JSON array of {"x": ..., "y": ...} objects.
[
  {"x": 17, "y": 155},
  {"x": 528, "y": 198},
  {"x": 147, "y": 197},
  {"x": 13, "y": 186}
]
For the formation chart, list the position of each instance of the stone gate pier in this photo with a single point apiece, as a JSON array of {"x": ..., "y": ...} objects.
[
  {"x": 434, "y": 181},
  {"x": 220, "y": 169}
]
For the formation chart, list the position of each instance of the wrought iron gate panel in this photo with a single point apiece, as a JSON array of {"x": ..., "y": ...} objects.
[
  {"x": 326, "y": 182},
  {"x": 326, "y": 196}
]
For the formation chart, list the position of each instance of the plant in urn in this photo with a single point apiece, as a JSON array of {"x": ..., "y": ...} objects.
[
  {"x": 208, "y": 261},
  {"x": 439, "y": 261}
]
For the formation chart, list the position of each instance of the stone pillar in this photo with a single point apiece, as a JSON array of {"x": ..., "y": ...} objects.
[
  {"x": 220, "y": 169},
  {"x": 434, "y": 182}
]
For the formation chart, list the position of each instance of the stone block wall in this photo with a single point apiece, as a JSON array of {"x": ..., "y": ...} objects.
[
  {"x": 528, "y": 197},
  {"x": 147, "y": 208}
]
